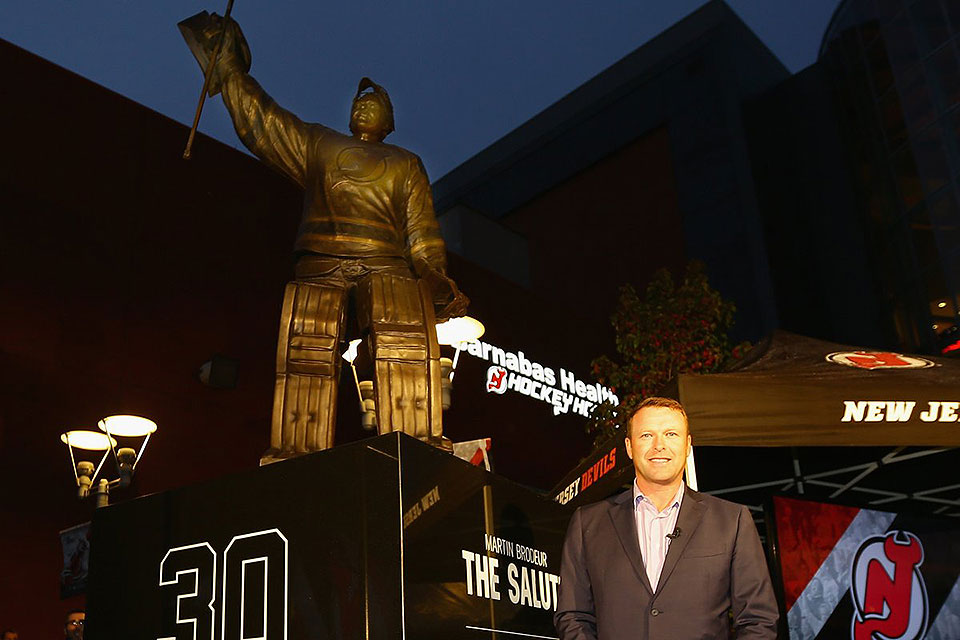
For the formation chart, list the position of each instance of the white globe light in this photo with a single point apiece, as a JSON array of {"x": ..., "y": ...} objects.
[
  {"x": 457, "y": 330},
  {"x": 88, "y": 440},
  {"x": 127, "y": 426}
]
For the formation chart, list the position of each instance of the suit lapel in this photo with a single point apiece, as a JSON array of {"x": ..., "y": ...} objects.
[
  {"x": 625, "y": 524},
  {"x": 691, "y": 512}
]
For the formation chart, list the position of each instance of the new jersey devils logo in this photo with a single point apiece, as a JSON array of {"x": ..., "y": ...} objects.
[
  {"x": 889, "y": 596},
  {"x": 496, "y": 380},
  {"x": 878, "y": 360}
]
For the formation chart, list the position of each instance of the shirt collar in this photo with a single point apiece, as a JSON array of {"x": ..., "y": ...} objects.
[{"x": 638, "y": 496}]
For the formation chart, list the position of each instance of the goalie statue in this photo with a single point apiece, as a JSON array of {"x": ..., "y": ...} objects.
[{"x": 368, "y": 231}]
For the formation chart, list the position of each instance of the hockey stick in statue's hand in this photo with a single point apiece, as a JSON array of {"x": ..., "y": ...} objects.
[{"x": 206, "y": 79}]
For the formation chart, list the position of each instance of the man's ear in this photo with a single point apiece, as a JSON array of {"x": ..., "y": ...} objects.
[{"x": 629, "y": 447}]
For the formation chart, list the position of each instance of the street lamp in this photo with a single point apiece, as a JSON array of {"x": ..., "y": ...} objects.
[
  {"x": 368, "y": 406},
  {"x": 455, "y": 332},
  {"x": 84, "y": 471},
  {"x": 128, "y": 428}
]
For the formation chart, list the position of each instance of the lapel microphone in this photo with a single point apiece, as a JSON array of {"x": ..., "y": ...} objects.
[{"x": 675, "y": 534}]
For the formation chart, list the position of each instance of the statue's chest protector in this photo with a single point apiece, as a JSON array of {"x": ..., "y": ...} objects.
[{"x": 363, "y": 182}]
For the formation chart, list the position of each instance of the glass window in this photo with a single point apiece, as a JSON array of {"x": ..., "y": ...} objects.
[
  {"x": 905, "y": 171},
  {"x": 879, "y": 207},
  {"x": 868, "y": 9},
  {"x": 852, "y": 51},
  {"x": 925, "y": 247},
  {"x": 905, "y": 261},
  {"x": 931, "y": 23},
  {"x": 952, "y": 272},
  {"x": 919, "y": 215},
  {"x": 953, "y": 10},
  {"x": 846, "y": 17},
  {"x": 869, "y": 30},
  {"x": 887, "y": 256},
  {"x": 915, "y": 98},
  {"x": 944, "y": 209},
  {"x": 886, "y": 9},
  {"x": 912, "y": 297},
  {"x": 901, "y": 44},
  {"x": 930, "y": 157},
  {"x": 953, "y": 128},
  {"x": 879, "y": 67},
  {"x": 904, "y": 327},
  {"x": 891, "y": 114},
  {"x": 944, "y": 76},
  {"x": 945, "y": 217}
]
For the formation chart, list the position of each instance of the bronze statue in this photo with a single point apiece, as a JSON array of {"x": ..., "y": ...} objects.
[{"x": 368, "y": 230}]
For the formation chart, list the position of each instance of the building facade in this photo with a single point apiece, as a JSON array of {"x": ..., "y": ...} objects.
[
  {"x": 894, "y": 68},
  {"x": 644, "y": 166},
  {"x": 823, "y": 202}
]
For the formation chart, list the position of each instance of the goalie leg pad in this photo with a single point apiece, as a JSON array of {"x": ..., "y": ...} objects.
[
  {"x": 308, "y": 367},
  {"x": 398, "y": 312}
]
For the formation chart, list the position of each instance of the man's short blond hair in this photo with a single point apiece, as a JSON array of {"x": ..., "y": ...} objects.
[{"x": 663, "y": 403}]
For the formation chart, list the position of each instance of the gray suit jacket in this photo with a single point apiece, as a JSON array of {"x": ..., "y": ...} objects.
[{"x": 716, "y": 564}]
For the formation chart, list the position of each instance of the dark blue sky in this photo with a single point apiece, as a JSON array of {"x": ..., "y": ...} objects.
[{"x": 461, "y": 74}]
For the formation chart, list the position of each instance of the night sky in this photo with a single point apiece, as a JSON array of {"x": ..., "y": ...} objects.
[{"x": 460, "y": 74}]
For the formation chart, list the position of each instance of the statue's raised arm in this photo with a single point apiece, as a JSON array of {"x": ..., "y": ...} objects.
[
  {"x": 269, "y": 131},
  {"x": 368, "y": 232}
]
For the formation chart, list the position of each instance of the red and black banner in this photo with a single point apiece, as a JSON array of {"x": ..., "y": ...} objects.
[
  {"x": 863, "y": 574},
  {"x": 602, "y": 473}
]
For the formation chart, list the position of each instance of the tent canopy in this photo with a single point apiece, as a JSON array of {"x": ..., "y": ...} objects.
[{"x": 791, "y": 390}]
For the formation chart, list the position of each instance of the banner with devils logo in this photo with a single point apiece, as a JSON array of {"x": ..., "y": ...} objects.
[{"x": 864, "y": 574}]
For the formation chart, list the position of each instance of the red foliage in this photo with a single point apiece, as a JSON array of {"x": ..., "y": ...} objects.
[{"x": 673, "y": 329}]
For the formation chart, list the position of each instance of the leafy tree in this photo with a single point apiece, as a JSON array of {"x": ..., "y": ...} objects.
[{"x": 672, "y": 329}]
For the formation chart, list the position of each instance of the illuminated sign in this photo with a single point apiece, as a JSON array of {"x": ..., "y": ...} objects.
[
  {"x": 253, "y": 576},
  {"x": 560, "y": 389},
  {"x": 898, "y": 411},
  {"x": 594, "y": 472},
  {"x": 529, "y": 586}
]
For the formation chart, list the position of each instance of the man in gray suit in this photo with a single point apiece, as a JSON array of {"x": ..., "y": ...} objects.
[{"x": 661, "y": 561}]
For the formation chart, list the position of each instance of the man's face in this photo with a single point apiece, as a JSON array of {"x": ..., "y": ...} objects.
[
  {"x": 369, "y": 116},
  {"x": 658, "y": 445},
  {"x": 73, "y": 627}
]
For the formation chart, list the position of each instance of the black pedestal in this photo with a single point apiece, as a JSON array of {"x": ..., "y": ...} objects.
[{"x": 385, "y": 538}]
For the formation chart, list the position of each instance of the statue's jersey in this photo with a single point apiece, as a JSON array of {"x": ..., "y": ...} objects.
[{"x": 360, "y": 198}]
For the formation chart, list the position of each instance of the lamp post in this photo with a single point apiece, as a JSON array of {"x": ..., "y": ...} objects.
[
  {"x": 84, "y": 471},
  {"x": 128, "y": 428},
  {"x": 455, "y": 332},
  {"x": 368, "y": 408}
]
